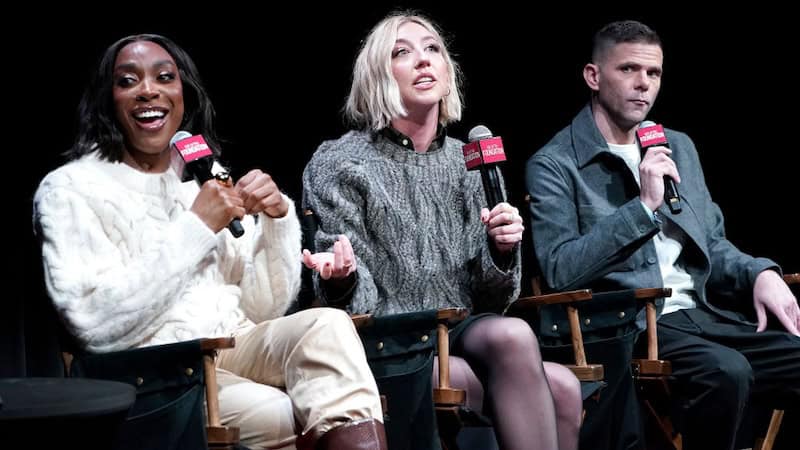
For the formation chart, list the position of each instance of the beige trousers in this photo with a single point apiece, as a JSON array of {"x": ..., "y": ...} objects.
[{"x": 296, "y": 374}]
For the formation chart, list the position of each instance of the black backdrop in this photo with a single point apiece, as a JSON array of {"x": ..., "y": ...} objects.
[{"x": 279, "y": 79}]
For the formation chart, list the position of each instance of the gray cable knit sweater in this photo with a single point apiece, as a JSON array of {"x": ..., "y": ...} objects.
[{"x": 414, "y": 222}]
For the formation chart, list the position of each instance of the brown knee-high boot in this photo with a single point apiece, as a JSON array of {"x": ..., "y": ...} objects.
[{"x": 367, "y": 434}]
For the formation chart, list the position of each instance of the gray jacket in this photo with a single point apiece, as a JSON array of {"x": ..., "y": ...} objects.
[{"x": 590, "y": 230}]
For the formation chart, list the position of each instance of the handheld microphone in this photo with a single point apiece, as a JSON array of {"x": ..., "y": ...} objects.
[
  {"x": 650, "y": 135},
  {"x": 193, "y": 158},
  {"x": 483, "y": 152}
]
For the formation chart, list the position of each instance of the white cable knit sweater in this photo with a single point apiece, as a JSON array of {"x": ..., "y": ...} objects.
[{"x": 128, "y": 265}]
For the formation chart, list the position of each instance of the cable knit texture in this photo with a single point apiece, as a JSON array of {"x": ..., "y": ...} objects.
[
  {"x": 128, "y": 265},
  {"x": 414, "y": 221}
]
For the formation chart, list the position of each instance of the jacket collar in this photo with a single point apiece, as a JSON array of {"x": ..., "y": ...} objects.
[{"x": 586, "y": 138}]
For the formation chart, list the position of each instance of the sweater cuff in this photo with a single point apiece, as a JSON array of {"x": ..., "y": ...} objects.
[
  {"x": 503, "y": 262},
  {"x": 339, "y": 294},
  {"x": 281, "y": 227},
  {"x": 193, "y": 237}
]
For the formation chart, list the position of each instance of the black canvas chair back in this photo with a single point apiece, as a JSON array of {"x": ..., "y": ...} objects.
[
  {"x": 168, "y": 412},
  {"x": 400, "y": 351}
]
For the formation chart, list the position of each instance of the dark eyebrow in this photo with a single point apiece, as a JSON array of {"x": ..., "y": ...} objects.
[
  {"x": 638, "y": 64},
  {"x": 126, "y": 67}
]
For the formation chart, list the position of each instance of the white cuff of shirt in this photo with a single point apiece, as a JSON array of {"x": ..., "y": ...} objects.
[{"x": 654, "y": 215}]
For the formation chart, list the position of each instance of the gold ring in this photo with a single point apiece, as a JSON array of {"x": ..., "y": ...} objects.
[{"x": 223, "y": 178}]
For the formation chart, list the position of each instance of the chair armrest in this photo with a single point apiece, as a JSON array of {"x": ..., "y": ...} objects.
[
  {"x": 208, "y": 344},
  {"x": 648, "y": 294},
  {"x": 792, "y": 278},
  {"x": 448, "y": 316},
  {"x": 525, "y": 304},
  {"x": 361, "y": 320},
  {"x": 451, "y": 316}
]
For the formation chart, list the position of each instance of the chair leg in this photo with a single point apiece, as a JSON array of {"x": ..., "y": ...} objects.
[
  {"x": 772, "y": 431},
  {"x": 219, "y": 437},
  {"x": 449, "y": 443},
  {"x": 449, "y": 424},
  {"x": 659, "y": 432}
]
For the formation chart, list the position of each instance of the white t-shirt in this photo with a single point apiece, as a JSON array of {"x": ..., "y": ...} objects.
[{"x": 669, "y": 243}]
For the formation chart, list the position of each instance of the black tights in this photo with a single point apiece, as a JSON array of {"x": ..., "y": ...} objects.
[{"x": 532, "y": 406}]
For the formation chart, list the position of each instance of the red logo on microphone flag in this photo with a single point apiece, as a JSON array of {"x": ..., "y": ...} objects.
[
  {"x": 651, "y": 136},
  {"x": 193, "y": 148},
  {"x": 472, "y": 155},
  {"x": 484, "y": 151},
  {"x": 492, "y": 150}
]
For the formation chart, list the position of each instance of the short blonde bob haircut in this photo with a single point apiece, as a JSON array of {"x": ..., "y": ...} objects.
[{"x": 374, "y": 98}]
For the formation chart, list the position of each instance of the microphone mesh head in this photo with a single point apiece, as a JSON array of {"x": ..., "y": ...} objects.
[
  {"x": 179, "y": 136},
  {"x": 479, "y": 132},
  {"x": 647, "y": 123}
]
